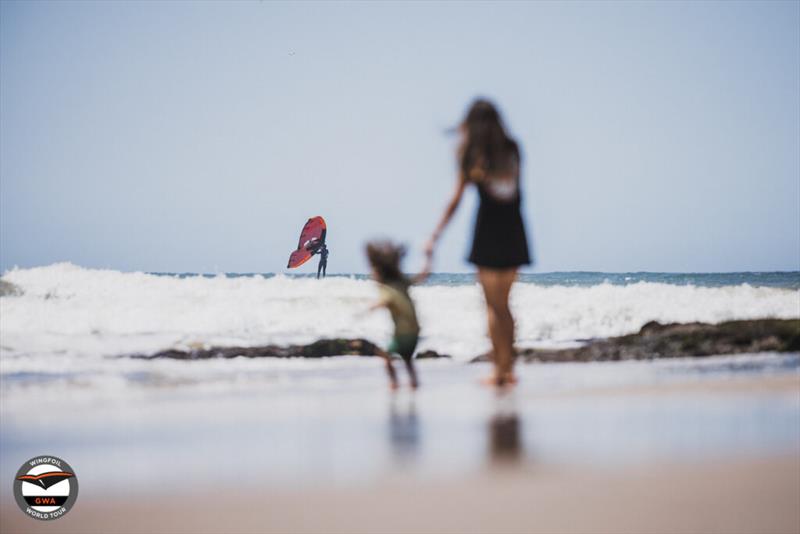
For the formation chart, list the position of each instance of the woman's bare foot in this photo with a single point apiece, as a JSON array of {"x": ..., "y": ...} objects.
[
  {"x": 495, "y": 380},
  {"x": 489, "y": 381}
]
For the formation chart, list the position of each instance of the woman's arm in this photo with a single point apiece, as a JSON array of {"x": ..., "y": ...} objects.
[{"x": 448, "y": 214}]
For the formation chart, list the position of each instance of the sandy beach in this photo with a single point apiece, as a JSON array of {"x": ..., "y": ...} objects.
[
  {"x": 507, "y": 488},
  {"x": 746, "y": 496}
]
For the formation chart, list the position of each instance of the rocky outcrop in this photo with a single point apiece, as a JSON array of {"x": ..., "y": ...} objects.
[
  {"x": 676, "y": 340},
  {"x": 319, "y": 349},
  {"x": 654, "y": 340},
  {"x": 7, "y": 289},
  {"x": 430, "y": 355}
]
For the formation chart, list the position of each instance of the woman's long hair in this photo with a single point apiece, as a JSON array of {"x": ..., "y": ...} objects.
[{"x": 487, "y": 150}]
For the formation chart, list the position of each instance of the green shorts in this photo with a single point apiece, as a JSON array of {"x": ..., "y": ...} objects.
[{"x": 403, "y": 344}]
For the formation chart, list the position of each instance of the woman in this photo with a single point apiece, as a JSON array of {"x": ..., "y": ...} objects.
[{"x": 489, "y": 159}]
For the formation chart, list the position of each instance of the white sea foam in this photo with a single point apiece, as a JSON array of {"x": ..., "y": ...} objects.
[{"x": 74, "y": 311}]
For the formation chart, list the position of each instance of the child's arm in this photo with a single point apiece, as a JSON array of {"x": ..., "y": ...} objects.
[
  {"x": 378, "y": 304},
  {"x": 372, "y": 307}
]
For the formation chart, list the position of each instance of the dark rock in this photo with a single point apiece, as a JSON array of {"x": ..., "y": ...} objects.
[
  {"x": 676, "y": 340},
  {"x": 654, "y": 340},
  {"x": 7, "y": 289},
  {"x": 430, "y": 355},
  {"x": 319, "y": 349}
]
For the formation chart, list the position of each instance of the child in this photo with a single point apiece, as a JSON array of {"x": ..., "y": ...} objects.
[{"x": 384, "y": 258}]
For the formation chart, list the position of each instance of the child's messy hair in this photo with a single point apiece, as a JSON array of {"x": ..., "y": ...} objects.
[{"x": 385, "y": 257}]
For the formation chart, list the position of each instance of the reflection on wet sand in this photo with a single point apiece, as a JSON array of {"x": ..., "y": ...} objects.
[
  {"x": 505, "y": 443},
  {"x": 403, "y": 430}
]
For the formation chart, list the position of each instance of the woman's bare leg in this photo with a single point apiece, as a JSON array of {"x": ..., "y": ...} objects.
[{"x": 496, "y": 285}]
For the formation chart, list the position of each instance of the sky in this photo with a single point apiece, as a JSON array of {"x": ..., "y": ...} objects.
[{"x": 200, "y": 136}]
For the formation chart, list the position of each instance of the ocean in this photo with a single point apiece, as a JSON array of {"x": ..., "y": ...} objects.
[{"x": 67, "y": 385}]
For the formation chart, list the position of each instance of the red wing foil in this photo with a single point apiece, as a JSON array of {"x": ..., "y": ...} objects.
[
  {"x": 313, "y": 233},
  {"x": 298, "y": 258}
]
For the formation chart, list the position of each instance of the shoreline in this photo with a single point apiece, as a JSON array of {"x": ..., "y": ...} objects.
[{"x": 767, "y": 384}]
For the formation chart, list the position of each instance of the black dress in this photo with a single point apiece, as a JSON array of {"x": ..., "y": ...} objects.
[{"x": 499, "y": 241}]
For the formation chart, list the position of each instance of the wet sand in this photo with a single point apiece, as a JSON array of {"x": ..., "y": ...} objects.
[
  {"x": 748, "y": 496},
  {"x": 680, "y": 456}
]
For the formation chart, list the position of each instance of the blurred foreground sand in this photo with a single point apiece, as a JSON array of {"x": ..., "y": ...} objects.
[
  {"x": 758, "y": 496},
  {"x": 732, "y": 494}
]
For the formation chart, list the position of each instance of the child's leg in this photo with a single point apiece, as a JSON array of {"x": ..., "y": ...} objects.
[
  {"x": 412, "y": 372},
  {"x": 387, "y": 358}
]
